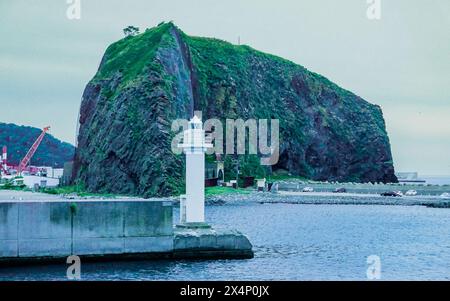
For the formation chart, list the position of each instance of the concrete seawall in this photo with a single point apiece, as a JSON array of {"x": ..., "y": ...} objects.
[
  {"x": 58, "y": 229},
  {"x": 49, "y": 230}
]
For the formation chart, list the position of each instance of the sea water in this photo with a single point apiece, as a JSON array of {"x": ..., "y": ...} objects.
[{"x": 298, "y": 242}]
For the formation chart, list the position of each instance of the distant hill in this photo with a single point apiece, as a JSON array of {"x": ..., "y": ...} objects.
[{"x": 19, "y": 139}]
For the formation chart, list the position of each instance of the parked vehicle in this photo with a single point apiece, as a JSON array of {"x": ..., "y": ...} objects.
[
  {"x": 411, "y": 193},
  {"x": 392, "y": 193},
  {"x": 445, "y": 195},
  {"x": 340, "y": 190},
  {"x": 308, "y": 189}
]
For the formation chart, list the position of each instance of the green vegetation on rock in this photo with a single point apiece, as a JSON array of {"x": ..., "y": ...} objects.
[{"x": 146, "y": 81}]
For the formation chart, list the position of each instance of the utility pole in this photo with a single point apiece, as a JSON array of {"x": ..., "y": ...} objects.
[{"x": 237, "y": 171}]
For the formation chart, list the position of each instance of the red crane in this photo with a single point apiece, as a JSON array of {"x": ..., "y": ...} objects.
[{"x": 23, "y": 164}]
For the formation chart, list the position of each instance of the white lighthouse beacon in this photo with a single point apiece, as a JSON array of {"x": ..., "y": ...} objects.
[{"x": 194, "y": 146}]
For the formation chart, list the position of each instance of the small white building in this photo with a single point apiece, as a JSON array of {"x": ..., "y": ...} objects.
[
  {"x": 409, "y": 177},
  {"x": 52, "y": 172},
  {"x": 261, "y": 184},
  {"x": 32, "y": 181}
]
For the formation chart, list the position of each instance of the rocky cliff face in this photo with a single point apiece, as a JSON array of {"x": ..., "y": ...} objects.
[{"x": 146, "y": 81}]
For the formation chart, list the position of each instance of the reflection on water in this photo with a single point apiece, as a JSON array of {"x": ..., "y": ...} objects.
[{"x": 298, "y": 242}]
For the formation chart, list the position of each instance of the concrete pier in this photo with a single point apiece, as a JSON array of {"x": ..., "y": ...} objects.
[
  {"x": 211, "y": 243},
  {"x": 122, "y": 228}
]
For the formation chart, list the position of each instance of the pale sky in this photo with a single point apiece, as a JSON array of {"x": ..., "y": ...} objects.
[{"x": 400, "y": 62}]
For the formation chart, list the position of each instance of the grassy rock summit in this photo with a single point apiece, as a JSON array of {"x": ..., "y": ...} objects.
[
  {"x": 19, "y": 139},
  {"x": 146, "y": 81}
]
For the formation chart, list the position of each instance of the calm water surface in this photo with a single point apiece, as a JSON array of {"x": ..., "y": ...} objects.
[
  {"x": 298, "y": 242},
  {"x": 436, "y": 180}
]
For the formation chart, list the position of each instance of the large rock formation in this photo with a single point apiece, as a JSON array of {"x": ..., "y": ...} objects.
[{"x": 146, "y": 81}]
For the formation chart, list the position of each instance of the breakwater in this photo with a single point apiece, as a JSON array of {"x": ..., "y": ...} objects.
[
  {"x": 328, "y": 198},
  {"x": 362, "y": 188},
  {"x": 51, "y": 230}
]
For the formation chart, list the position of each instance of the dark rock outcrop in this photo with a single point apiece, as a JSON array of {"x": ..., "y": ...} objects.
[{"x": 146, "y": 81}]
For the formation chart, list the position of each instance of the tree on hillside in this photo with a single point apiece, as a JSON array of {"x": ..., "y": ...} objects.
[{"x": 131, "y": 31}]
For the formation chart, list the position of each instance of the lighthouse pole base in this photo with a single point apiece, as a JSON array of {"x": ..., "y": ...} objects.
[
  {"x": 194, "y": 226},
  {"x": 210, "y": 244}
]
